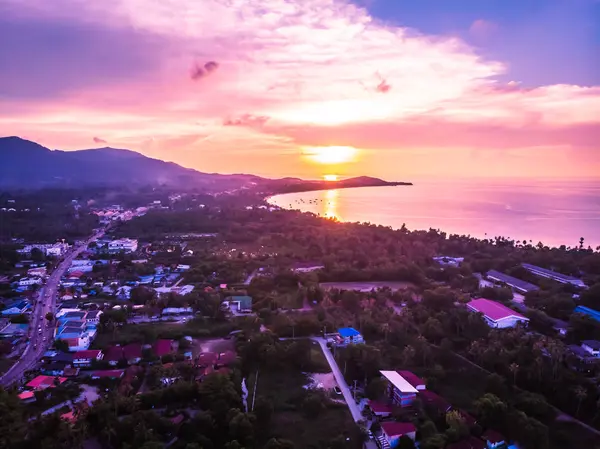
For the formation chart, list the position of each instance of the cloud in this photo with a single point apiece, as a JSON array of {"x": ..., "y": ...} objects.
[
  {"x": 302, "y": 72},
  {"x": 483, "y": 29},
  {"x": 99, "y": 140}
]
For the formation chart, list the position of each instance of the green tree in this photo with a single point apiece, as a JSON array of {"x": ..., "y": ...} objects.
[
  {"x": 405, "y": 442},
  {"x": 491, "y": 410}
]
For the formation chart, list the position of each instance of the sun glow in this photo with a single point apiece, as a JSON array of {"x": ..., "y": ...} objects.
[
  {"x": 330, "y": 177},
  {"x": 331, "y": 155}
]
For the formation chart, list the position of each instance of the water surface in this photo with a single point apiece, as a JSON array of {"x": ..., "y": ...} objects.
[{"x": 553, "y": 212}]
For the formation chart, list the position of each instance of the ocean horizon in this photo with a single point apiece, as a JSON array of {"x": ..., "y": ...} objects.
[{"x": 554, "y": 212}]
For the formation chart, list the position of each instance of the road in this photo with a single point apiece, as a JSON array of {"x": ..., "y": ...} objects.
[{"x": 40, "y": 330}]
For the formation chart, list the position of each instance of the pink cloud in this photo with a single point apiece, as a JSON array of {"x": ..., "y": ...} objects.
[{"x": 304, "y": 73}]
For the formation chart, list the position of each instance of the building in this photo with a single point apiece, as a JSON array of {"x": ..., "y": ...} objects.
[
  {"x": 108, "y": 374},
  {"x": 16, "y": 308},
  {"x": 494, "y": 440},
  {"x": 163, "y": 347},
  {"x": 592, "y": 347},
  {"x": 516, "y": 284},
  {"x": 307, "y": 267},
  {"x": 49, "y": 249},
  {"x": 414, "y": 380},
  {"x": 495, "y": 314},
  {"x": 393, "y": 431},
  {"x": 87, "y": 357},
  {"x": 14, "y": 330},
  {"x": 434, "y": 401},
  {"x": 593, "y": 314},
  {"x": 449, "y": 261},
  {"x": 350, "y": 335},
  {"x": 132, "y": 353},
  {"x": 43, "y": 382},
  {"x": 243, "y": 304},
  {"x": 177, "y": 310},
  {"x": 380, "y": 409},
  {"x": 113, "y": 355},
  {"x": 400, "y": 391},
  {"x": 558, "y": 277},
  {"x": 122, "y": 245},
  {"x": 29, "y": 281}
]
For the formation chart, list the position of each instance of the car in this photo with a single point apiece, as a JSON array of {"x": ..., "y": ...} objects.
[{"x": 337, "y": 390}]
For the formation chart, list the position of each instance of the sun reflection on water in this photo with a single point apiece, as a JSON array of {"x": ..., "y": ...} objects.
[{"x": 330, "y": 204}]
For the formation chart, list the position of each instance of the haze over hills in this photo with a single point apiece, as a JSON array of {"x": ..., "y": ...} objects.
[{"x": 28, "y": 165}]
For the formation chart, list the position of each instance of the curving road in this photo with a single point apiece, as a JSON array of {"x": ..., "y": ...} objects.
[{"x": 40, "y": 330}]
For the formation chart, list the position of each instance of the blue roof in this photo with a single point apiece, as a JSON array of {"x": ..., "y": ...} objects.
[
  {"x": 594, "y": 314},
  {"x": 348, "y": 332}
]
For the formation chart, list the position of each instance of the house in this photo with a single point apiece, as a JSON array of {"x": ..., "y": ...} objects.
[
  {"x": 307, "y": 267},
  {"x": 495, "y": 314},
  {"x": 182, "y": 267},
  {"x": 206, "y": 359},
  {"x": 592, "y": 347},
  {"x": 558, "y": 277},
  {"x": 468, "y": 443},
  {"x": 393, "y": 431},
  {"x": 27, "y": 397},
  {"x": 113, "y": 355},
  {"x": 449, "y": 261},
  {"x": 53, "y": 369},
  {"x": 593, "y": 314},
  {"x": 177, "y": 310},
  {"x": 29, "y": 281},
  {"x": 413, "y": 379},
  {"x": 350, "y": 335},
  {"x": 42, "y": 382},
  {"x": 243, "y": 304},
  {"x": 85, "y": 358},
  {"x": 14, "y": 330},
  {"x": 225, "y": 358},
  {"x": 516, "y": 284},
  {"x": 93, "y": 316},
  {"x": 493, "y": 439},
  {"x": 16, "y": 308},
  {"x": 560, "y": 326},
  {"x": 108, "y": 374},
  {"x": 163, "y": 347},
  {"x": 132, "y": 353},
  {"x": 380, "y": 409},
  {"x": 122, "y": 245},
  {"x": 400, "y": 391}
]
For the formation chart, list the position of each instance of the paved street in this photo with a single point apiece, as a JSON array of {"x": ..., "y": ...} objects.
[{"x": 40, "y": 340}]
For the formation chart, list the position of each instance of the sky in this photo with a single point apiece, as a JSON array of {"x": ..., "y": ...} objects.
[{"x": 399, "y": 89}]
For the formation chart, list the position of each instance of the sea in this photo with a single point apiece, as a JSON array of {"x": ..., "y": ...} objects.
[{"x": 557, "y": 212}]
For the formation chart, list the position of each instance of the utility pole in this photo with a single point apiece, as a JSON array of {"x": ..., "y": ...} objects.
[
  {"x": 354, "y": 392},
  {"x": 254, "y": 392}
]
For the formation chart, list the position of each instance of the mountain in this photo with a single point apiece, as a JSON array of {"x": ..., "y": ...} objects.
[
  {"x": 28, "y": 165},
  {"x": 293, "y": 185}
]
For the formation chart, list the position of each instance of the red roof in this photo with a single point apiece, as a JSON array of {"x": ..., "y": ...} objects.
[
  {"x": 493, "y": 310},
  {"x": 112, "y": 373},
  {"x": 162, "y": 347},
  {"x": 42, "y": 382},
  {"x": 394, "y": 429},
  {"x": 132, "y": 351},
  {"x": 412, "y": 379},
  {"x": 469, "y": 443},
  {"x": 87, "y": 354},
  {"x": 26, "y": 395},
  {"x": 493, "y": 437},
  {"x": 207, "y": 358},
  {"x": 113, "y": 354},
  {"x": 429, "y": 397},
  {"x": 225, "y": 358},
  {"x": 379, "y": 407}
]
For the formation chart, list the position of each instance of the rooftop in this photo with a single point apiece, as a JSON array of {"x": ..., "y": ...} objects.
[
  {"x": 87, "y": 354},
  {"x": 392, "y": 429},
  {"x": 594, "y": 344},
  {"x": 109, "y": 373},
  {"x": 547, "y": 272},
  {"x": 493, "y": 310},
  {"x": 113, "y": 354},
  {"x": 398, "y": 381},
  {"x": 594, "y": 314},
  {"x": 348, "y": 332},
  {"x": 512, "y": 281},
  {"x": 162, "y": 347},
  {"x": 379, "y": 407},
  {"x": 413, "y": 379},
  {"x": 43, "y": 382}
]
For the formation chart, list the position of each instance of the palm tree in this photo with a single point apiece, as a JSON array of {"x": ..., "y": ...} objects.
[
  {"x": 580, "y": 394},
  {"x": 581, "y": 241},
  {"x": 514, "y": 369}
]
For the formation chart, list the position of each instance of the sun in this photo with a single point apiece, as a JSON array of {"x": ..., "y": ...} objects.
[
  {"x": 330, "y": 177},
  {"x": 331, "y": 155}
]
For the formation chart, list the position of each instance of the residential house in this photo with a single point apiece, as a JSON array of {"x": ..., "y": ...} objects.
[
  {"x": 93, "y": 316},
  {"x": 494, "y": 440},
  {"x": 393, "y": 431},
  {"x": 108, "y": 374},
  {"x": 380, "y": 409},
  {"x": 29, "y": 281},
  {"x": 14, "y": 330},
  {"x": 242, "y": 303},
  {"x": 413, "y": 379},
  {"x": 27, "y": 397},
  {"x": 558, "y": 277},
  {"x": 593, "y": 314},
  {"x": 495, "y": 314},
  {"x": 177, "y": 310},
  {"x": 16, "y": 307},
  {"x": 163, "y": 347},
  {"x": 400, "y": 391},
  {"x": 307, "y": 267},
  {"x": 182, "y": 267},
  {"x": 113, "y": 355},
  {"x": 516, "y": 284},
  {"x": 84, "y": 359},
  {"x": 449, "y": 261},
  {"x": 592, "y": 347},
  {"x": 132, "y": 353},
  {"x": 123, "y": 245},
  {"x": 350, "y": 335},
  {"x": 42, "y": 382},
  {"x": 37, "y": 272}
]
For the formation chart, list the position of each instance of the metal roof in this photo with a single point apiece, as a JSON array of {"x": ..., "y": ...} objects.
[
  {"x": 399, "y": 382},
  {"x": 512, "y": 281}
]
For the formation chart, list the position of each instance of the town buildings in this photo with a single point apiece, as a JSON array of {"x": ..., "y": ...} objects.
[
  {"x": 558, "y": 277},
  {"x": 495, "y": 314}
]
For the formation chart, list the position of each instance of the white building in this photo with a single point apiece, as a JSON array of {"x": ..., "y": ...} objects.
[
  {"x": 125, "y": 245},
  {"x": 592, "y": 347},
  {"x": 558, "y": 277},
  {"x": 27, "y": 282},
  {"x": 49, "y": 249},
  {"x": 495, "y": 314}
]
